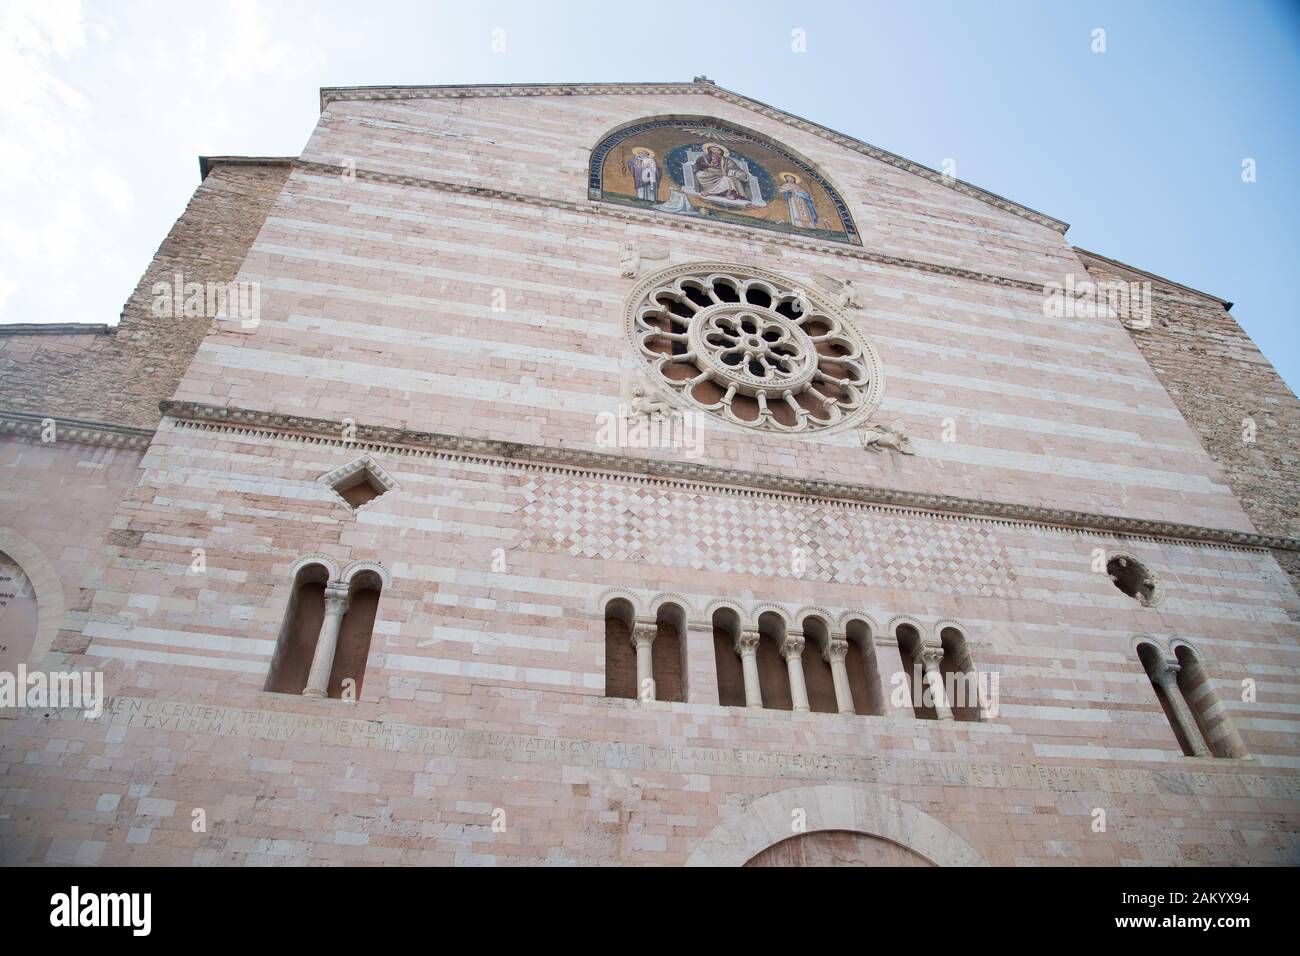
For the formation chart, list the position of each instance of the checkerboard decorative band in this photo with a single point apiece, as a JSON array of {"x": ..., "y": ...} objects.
[{"x": 760, "y": 536}]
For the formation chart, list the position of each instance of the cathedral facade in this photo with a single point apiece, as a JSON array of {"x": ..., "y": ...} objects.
[{"x": 641, "y": 474}]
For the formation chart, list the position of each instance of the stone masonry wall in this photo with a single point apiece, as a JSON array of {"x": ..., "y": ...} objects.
[
  {"x": 119, "y": 377},
  {"x": 484, "y": 689},
  {"x": 483, "y": 699},
  {"x": 58, "y": 497},
  {"x": 1218, "y": 378}
]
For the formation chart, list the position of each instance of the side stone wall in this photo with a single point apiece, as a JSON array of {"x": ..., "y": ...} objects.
[
  {"x": 1223, "y": 385},
  {"x": 119, "y": 375}
]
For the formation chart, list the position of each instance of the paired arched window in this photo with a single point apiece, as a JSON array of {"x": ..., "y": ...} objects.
[
  {"x": 1187, "y": 696},
  {"x": 644, "y": 659},
  {"x": 325, "y": 637},
  {"x": 942, "y": 680}
]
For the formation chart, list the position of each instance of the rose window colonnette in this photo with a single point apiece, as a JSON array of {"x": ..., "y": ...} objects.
[{"x": 753, "y": 348}]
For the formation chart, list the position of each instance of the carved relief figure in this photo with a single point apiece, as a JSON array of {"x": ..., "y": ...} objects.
[
  {"x": 645, "y": 402},
  {"x": 847, "y": 295},
  {"x": 877, "y": 437},
  {"x": 630, "y": 259}
]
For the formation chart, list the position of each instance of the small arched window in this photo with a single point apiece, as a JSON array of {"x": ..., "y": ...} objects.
[
  {"x": 668, "y": 654},
  {"x": 911, "y": 650},
  {"x": 620, "y": 654},
  {"x": 726, "y": 657},
  {"x": 863, "y": 668},
  {"x": 355, "y": 635},
  {"x": 303, "y": 616},
  {"x": 1163, "y": 675},
  {"x": 325, "y": 636},
  {"x": 961, "y": 680},
  {"x": 818, "y": 678},
  {"x": 773, "y": 674},
  {"x": 1197, "y": 688}
]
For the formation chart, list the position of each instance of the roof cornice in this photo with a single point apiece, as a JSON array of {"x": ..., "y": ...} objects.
[
  {"x": 206, "y": 163},
  {"x": 333, "y": 94},
  {"x": 1084, "y": 253},
  {"x": 55, "y": 328}
]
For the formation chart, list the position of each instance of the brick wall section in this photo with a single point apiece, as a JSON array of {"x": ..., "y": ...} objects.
[
  {"x": 1217, "y": 377},
  {"x": 120, "y": 376}
]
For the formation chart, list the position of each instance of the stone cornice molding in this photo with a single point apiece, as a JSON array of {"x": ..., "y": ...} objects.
[
  {"x": 685, "y": 472},
  {"x": 613, "y": 211},
  {"x": 79, "y": 430},
  {"x": 208, "y": 163},
  {"x": 56, "y": 328},
  {"x": 343, "y": 94},
  {"x": 1187, "y": 291}
]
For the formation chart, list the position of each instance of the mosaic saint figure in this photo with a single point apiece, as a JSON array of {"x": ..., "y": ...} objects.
[
  {"x": 718, "y": 176},
  {"x": 645, "y": 173},
  {"x": 803, "y": 211}
]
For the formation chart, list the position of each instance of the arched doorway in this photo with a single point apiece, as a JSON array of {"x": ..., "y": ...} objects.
[
  {"x": 836, "y": 848},
  {"x": 764, "y": 825},
  {"x": 31, "y": 602}
]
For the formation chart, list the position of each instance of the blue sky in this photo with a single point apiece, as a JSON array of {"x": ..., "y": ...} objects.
[{"x": 1139, "y": 148}]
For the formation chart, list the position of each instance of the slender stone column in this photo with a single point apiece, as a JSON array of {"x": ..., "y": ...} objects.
[
  {"x": 930, "y": 658},
  {"x": 1166, "y": 676},
  {"x": 643, "y": 638},
  {"x": 322, "y": 661},
  {"x": 889, "y": 664},
  {"x": 701, "y": 664},
  {"x": 836, "y": 650},
  {"x": 747, "y": 648},
  {"x": 792, "y": 651}
]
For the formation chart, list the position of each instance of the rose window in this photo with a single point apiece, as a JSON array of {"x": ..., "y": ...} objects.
[{"x": 752, "y": 348}]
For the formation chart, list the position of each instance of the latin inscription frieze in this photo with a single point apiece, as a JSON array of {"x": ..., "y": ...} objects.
[{"x": 345, "y": 731}]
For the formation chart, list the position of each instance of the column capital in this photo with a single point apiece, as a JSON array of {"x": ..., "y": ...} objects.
[
  {"x": 643, "y": 632},
  {"x": 336, "y": 598},
  {"x": 929, "y": 655},
  {"x": 792, "y": 646},
  {"x": 836, "y": 649},
  {"x": 747, "y": 641},
  {"x": 1166, "y": 673}
]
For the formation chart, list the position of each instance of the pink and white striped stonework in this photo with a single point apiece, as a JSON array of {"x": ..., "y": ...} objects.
[{"x": 373, "y": 585}]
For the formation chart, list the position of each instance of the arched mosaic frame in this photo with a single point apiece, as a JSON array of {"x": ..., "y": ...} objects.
[{"x": 732, "y": 133}]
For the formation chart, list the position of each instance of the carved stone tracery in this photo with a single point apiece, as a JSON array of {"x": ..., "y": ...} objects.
[{"x": 752, "y": 348}]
